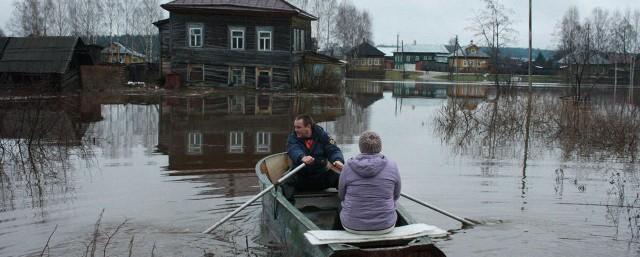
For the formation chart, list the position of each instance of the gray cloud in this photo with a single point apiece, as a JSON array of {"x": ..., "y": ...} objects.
[{"x": 436, "y": 21}]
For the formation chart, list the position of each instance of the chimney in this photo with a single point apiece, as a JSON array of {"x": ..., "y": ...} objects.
[{"x": 415, "y": 42}]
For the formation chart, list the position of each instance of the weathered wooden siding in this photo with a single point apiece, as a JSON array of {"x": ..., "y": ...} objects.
[
  {"x": 216, "y": 54},
  {"x": 165, "y": 44}
]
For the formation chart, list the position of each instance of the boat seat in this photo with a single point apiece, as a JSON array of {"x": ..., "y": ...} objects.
[
  {"x": 314, "y": 194},
  {"x": 323, "y": 237}
]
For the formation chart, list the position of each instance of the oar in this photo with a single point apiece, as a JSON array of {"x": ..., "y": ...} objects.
[
  {"x": 245, "y": 205},
  {"x": 465, "y": 222}
]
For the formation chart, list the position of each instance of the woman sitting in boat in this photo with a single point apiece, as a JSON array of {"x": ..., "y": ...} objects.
[{"x": 369, "y": 187}]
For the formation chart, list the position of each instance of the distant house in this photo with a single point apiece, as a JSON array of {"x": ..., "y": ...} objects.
[
  {"x": 389, "y": 63},
  {"x": 365, "y": 60},
  {"x": 118, "y": 53},
  {"x": 52, "y": 62},
  {"x": 421, "y": 57},
  {"x": 469, "y": 59},
  {"x": 259, "y": 44}
]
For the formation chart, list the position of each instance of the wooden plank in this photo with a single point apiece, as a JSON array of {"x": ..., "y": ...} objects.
[{"x": 207, "y": 171}]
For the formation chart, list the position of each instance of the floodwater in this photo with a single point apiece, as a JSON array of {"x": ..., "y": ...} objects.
[{"x": 88, "y": 175}]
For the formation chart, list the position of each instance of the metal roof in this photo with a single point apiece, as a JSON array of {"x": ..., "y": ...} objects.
[
  {"x": 238, "y": 5},
  {"x": 424, "y": 48},
  {"x": 39, "y": 54},
  {"x": 465, "y": 53}
]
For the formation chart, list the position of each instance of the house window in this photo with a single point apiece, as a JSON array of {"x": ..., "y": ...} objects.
[
  {"x": 194, "y": 146},
  {"x": 263, "y": 78},
  {"x": 264, "y": 40},
  {"x": 195, "y": 72},
  {"x": 369, "y": 61},
  {"x": 236, "y": 104},
  {"x": 236, "y": 76},
  {"x": 236, "y": 142},
  {"x": 408, "y": 58},
  {"x": 377, "y": 61},
  {"x": 263, "y": 142},
  {"x": 237, "y": 39},
  {"x": 298, "y": 40},
  {"x": 195, "y": 35}
]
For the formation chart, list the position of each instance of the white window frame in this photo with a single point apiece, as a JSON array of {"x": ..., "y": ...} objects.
[
  {"x": 194, "y": 143},
  {"x": 234, "y": 38},
  {"x": 236, "y": 142},
  {"x": 242, "y": 75},
  {"x": 269, "y": 39},
  {"x": 191, "y": 28},
  {"x": 263, "y": 142}
]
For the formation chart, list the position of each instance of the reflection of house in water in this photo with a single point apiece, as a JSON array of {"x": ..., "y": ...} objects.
[
  {"x": 420, "y": 90},
  {"x": 47, "y": 121},
  {"x": 232, "y": 133},
  {"x": 361, "y": 95},
  {"x": 439, "y": 90}
]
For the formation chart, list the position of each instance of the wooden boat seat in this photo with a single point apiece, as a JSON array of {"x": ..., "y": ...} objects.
[{"x": 323, "y": 237}]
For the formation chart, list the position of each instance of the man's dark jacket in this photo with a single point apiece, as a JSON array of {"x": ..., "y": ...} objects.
[{"x": 323, "y": 149}]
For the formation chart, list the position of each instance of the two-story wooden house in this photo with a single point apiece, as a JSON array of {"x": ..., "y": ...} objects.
[
  {"x": 258, "y": 44},
  {"x": 469, "y": 59}
]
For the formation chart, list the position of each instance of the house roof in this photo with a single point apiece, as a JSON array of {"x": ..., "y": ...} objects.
[
  {"x": 593, "y": 60},
  {"x": 318, "y": 58},
  {"x": 3, "y": 44},
  {"x": 387, "y": 50},
  {"x": 238, "y": 5},
  {"x": 121, "y": 50},
  {"x": 161, "y": 22},
  {"x": 464, "y": 53},
  {"x": 366, "y": 50},
  {"x": 424, "y": 48},
  {"x": 39, "y": 55}
]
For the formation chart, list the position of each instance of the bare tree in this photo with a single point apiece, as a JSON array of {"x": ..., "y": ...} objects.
[
  {"x": 494, "y": 26},
  {"x": 59, "y": 19},
  {"x": 27, "y": 18},
  {"x": 90, "y": 19},
  {"x": 112, "y": 11},
  {"x": 352, "y": 26},
  {"x": 635, "y": 50},
  {"x": 325, "y": 11},
  {"x": 575, "y": 45},
  {"x": 73, "y": 18},
  {"x": 152, "y": 13},
  {"x": 623, "y": 37}
]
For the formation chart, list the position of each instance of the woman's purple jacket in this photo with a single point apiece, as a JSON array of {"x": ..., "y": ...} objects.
[{"x": 369, "y": 188}]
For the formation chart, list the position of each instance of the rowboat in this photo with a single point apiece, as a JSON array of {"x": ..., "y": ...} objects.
[{"x": 316, "y": 211}]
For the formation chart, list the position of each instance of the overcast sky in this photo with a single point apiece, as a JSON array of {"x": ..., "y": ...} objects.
[{"x": 436, "y": 21}]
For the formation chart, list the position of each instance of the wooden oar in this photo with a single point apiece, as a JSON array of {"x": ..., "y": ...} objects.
[
  {"x": 465, "y": 222},
  {"x": 245, "y": 205}
]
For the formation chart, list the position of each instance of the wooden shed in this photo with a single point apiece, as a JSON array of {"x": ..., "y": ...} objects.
[{"x": 50, "y": 62}]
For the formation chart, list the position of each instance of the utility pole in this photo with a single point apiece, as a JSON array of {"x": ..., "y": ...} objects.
[
  {"x": 530, "y": 44},
  {"x": 402, "y": 62}
]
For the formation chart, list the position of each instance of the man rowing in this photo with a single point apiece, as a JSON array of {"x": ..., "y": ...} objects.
[{"x": 311, "y": 145}]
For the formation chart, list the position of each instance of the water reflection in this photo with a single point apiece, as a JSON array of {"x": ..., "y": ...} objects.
[
  {"x": 38, "y": 138},
  {"x": 226, "y": 135},
  {"x": 493, "y": 129}
]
